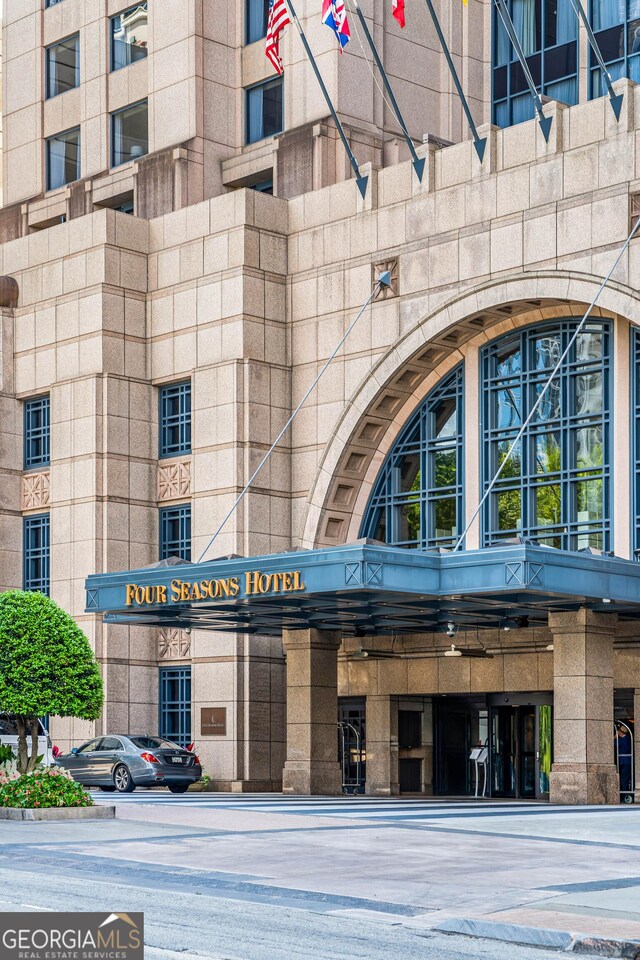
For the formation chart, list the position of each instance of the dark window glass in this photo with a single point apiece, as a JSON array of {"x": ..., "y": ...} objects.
[
  {"x": 175, "y": 532},
  {"x": 547, "y": 30},
  {"x": 129, "y": 36},
  {"x": 616, "y": 24},
  {"x": 175, "y": 419},
  {"x": 175, "y": 705},
  {"x": 264, "y": 110},
  {"x": 152, "y": 743},
  {"x": 409, "y": 729},
  {"x": 35, "y": 553},
  {"x": 110, "y": 743},
  {"x": 63, "y": 159},
  {"x": 52, "y": 3},
  {"x": 36, "y": 433},
  {"x": 417, "y": 499},
  {"x": 129, "y": 133},
  {"x": 63, "y": 66},
  {"x": 257, "y": 17},
  {"x": 90, "y": 747},
  {"x": 555, "y": 487}
]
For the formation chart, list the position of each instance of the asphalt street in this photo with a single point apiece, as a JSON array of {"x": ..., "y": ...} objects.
[{"x": 199, "y": 924}]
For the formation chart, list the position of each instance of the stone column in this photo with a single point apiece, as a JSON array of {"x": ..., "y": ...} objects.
[
  {"x": 312, "y": 713},
  {"x": 382, "y": 747},
  {"x": 583, "y": 767}
]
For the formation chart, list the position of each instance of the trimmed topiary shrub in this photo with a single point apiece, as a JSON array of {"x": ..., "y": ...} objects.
[
  {"x": 47, "y": 787},
  {"x": 47, "y": 666}
]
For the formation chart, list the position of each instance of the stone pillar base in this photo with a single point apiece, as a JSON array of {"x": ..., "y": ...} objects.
[
  {"x": 580, "y": 783},
  {"x": 311, "y": 779}
]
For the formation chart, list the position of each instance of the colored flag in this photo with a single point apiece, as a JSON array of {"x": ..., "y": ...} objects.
[
  {"x": 398, "y": 11},
  {"x": 334, "y": 15},
  {"x": 278, "y": 19}
]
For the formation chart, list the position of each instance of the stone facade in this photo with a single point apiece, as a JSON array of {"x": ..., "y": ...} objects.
[{"x": 247, "y": 295}]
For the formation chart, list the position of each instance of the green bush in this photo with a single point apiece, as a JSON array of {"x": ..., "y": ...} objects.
[{"x": 48, "y": 787}]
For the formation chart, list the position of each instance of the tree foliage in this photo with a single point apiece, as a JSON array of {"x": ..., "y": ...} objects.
[{"x": 47, "y": 666}]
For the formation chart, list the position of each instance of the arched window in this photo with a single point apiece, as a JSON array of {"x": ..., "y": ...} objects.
[
  {"x": 417, "y": 498},
  {"x": 555, "y": 488}
]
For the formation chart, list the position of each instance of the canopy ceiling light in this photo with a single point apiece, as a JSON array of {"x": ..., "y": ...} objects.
[
  {"x": 467, "y": 652},
  {"x": 362, "y": 654}
]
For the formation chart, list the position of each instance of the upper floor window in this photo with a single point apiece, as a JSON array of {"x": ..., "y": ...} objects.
[
  {"x": 616, "y": 24},
  {"x": 35, "y": 553},
  {"x": 63, "y": 158},
  {"x": 63, "y": 66},
  {"x": 129, "y": 36},
  {"x": 52, "y": 3},
  {"x": 256, "y": 17},
  {"x": 175, "y": 532},
  {"x": 175, "y": 419},
  {"x": 36, "y": 432},
  {"x": 264, "y": 110},
  {"x": 555, "y": 487},
  {"x": 417, "y": 499},
  {"x": 129, "y": 133},
  {"x": 547, "y": 30}
]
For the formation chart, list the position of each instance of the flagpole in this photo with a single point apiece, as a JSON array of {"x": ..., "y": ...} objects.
[
  {"x": 545, "y": 122},
  {"x": 361, "y": 181},
  {"x": 478, "y": 142},
  {"x": 418, "y": 163},
  {"x": 614, "y": 98}
]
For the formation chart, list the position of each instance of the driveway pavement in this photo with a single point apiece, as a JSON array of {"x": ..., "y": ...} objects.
[{"x": 555, "y": 876}]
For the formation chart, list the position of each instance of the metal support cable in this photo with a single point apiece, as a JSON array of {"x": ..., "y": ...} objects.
[
  {"x": 384, "y": 280},
  {"x": 546, "y": 386}
]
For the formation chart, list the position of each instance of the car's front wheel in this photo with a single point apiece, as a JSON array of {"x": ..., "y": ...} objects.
[
  {"x": 178, "y": 787},
  {"x": 122, "y": 780}
]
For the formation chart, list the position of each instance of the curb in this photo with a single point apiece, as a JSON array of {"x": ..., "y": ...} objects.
[
  {"x": 58, "y": 813},
  {"x": 542, "y": 937}
]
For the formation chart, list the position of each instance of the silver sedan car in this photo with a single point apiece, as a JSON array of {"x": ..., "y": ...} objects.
[{"x": 123, "y": 763}]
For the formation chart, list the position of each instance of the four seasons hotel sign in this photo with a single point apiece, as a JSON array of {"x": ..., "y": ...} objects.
[{"x": 250, "y": 583}]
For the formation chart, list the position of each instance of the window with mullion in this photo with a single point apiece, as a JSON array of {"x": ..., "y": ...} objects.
[
  {"x": 175, "y": 704},
  {"x": 616, "y": 24},
  {"x": 36, "y": 432},
  {"x": 417, "y": 498},
  {"x": 175, "y": 532},
  {"x": 555, "y": 487},
  {"x": 35, "y": 553},
  {"x": 175, "y": 419},
  {"x": 256, "y": 20},
  {"x": 547, "y": 30}
]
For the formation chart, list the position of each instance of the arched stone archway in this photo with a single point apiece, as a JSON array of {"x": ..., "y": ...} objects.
[{"x": 401, "y": 379}]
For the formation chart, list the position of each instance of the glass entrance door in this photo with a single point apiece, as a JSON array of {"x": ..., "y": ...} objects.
[{"x": 521, "y": 751}]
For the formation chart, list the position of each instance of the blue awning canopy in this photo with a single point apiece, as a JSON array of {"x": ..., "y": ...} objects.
[{"x": 367, "y": 588}]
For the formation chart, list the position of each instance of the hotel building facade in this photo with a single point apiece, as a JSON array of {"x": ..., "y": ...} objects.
[{"x": 182, "y": 247}]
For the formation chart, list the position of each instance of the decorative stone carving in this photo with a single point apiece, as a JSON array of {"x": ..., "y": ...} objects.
[
  {"x": 36, "y": 490},
  {"x": 173, "y": 644},
  {"x": 174, "y": 480},
  {"x": 386, "y": 293}
]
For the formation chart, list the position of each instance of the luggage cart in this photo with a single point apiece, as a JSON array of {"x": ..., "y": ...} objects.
[
  {"x": 350, "y": 757},
  {"x": 625, "y": 761}
]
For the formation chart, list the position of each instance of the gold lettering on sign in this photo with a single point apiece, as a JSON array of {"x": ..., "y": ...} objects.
[{"x": 183, "y": 591}]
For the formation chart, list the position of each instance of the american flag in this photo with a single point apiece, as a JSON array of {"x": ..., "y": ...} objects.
[
  {"x": 334, "y": 15},
  {"x": 278, "y": 19},
  {"x": 398, "y": 11}
]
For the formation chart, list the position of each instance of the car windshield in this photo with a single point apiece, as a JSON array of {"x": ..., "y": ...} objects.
[{"x": 154, "y": 743}]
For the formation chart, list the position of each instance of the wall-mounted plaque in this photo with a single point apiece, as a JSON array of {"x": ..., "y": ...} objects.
[{"x": 213, "y": 722}]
